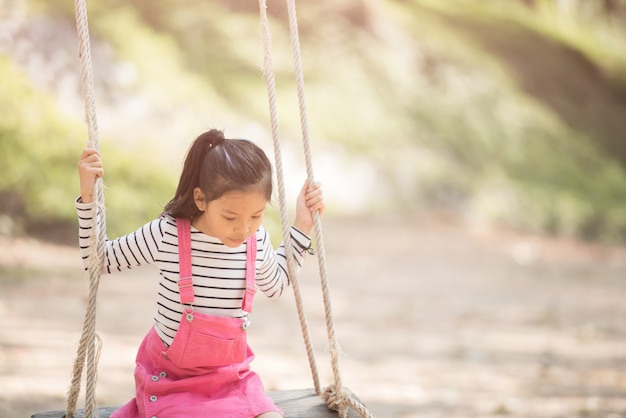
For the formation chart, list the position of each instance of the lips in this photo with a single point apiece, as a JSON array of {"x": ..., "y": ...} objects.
[{"x": 237, "y": 241}]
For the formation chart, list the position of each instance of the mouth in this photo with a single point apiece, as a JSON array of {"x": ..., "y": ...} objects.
[{"x": 237, "y": 241}]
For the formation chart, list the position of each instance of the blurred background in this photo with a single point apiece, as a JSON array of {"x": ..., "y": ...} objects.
[
  {"x": 505, "y": 112},
  {"x": 490, "y": 130}
]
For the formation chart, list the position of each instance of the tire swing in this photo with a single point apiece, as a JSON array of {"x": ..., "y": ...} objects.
[{"x": 333, "y": 401}]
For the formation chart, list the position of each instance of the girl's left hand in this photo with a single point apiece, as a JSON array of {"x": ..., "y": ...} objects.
[{"x": 310, "y": 200}]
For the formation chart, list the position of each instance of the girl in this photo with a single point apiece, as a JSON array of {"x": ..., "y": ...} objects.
[{"x": 212, "y": 254}]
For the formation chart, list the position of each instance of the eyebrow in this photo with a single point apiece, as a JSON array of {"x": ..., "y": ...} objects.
[{"x": 235, "y": 213}]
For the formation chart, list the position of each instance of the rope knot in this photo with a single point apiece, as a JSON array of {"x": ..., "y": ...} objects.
[
  {"x": 340, "y": 400},
  {"x": 333, "y": 398}
]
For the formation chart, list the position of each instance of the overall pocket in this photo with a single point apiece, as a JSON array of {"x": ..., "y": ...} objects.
[{"x": 208, "y": 341}]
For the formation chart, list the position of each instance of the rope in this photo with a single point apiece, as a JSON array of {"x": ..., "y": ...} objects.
[
  {"x": 330, "y": 328},
  {"x": 90, "y": 343},
  {"x": 268, "y": 74},
  {"x": 333, "y": 401},
  {"x": 88, "y": 352},
  {"x": 336, "y": 397}
]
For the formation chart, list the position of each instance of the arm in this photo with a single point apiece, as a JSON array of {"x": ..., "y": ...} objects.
[
  {"x": 272, "y": 276},
  {"x": 123, "y": 253},
  {"x": 132, "y": 250}
]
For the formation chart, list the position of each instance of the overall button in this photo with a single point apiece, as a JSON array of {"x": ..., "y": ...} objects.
[
  {"x": 153, "y": 416},
  {"x": 153, "y": 398},
  {"x": 155, "y": 378},
  {"x": 163, "y": 374}
]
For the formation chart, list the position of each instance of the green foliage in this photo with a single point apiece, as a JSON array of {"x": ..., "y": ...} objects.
[
  {"x": 34, "y": 144},
  {"x": 493, "y": 110},
  {"x": 136, "y": 188},
  {"x": 508, "y": 120},
  {"x": 568, "y": 170},
  {"x": 39, "y": 151}
]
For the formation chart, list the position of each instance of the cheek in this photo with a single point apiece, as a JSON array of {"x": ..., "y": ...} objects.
[
  {"x": 219, "y": 224},
  {"x": 256, "y": 223}
]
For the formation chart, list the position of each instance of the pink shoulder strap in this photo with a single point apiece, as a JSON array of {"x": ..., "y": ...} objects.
[
  {"x": 248, "y": 296},
  {"x": 185, "y": 283}
]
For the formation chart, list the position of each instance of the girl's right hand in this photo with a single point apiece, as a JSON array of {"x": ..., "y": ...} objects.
[{"x": 89, "y": 169}]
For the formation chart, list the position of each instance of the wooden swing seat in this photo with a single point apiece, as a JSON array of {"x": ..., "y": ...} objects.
[{"x": 302, "y": 403}]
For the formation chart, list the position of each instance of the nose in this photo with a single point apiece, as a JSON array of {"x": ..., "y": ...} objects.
[{"x": 242, "y": 228}]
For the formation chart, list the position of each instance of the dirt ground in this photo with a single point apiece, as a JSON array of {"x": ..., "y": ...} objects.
[{"x": 435, "y": 319}]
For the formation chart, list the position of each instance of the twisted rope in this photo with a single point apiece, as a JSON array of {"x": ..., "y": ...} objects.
[
  {"x": 88, "y": 352},
  {"x": 90, "y": 344},
  {"x": 330, "y": 327},
  {"x": 268, "y": 75},
  {"x": 347, "y": 399},
  {"x": 335, "y": 396}
]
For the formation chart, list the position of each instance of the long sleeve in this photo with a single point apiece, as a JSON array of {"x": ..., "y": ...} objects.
[
  {"x": 132, "y": 250},
  {"x": 218, "y": 270},
  {"x": 272, "y": 272}
]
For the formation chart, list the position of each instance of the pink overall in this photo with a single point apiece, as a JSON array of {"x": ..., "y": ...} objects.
[{"x": 195, "y": 387}]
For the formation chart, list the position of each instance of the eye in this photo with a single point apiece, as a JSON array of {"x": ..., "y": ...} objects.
[{"x": 229, "y": 219}]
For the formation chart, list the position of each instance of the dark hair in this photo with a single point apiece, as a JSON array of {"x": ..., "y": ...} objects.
[{"x": 218, "y": 165}]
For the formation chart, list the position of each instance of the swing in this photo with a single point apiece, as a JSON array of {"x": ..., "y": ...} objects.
[{"x": 334, "y": 400}]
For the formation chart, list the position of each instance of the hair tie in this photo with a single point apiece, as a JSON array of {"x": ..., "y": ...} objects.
[{"x": 213, "y": 138}]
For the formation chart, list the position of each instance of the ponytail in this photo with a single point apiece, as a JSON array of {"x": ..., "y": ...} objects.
[
  {"x": 183, "y": 204},
  {"x": 218, "y": 165}
]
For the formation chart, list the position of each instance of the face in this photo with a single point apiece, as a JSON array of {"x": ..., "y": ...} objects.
[{"x": 232, "y": 218}]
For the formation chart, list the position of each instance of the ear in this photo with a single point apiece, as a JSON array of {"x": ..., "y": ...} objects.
[{"x": 199, "y": 199}]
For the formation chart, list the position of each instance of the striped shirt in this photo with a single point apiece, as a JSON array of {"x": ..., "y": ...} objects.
[{"x": 218, "y": 271}]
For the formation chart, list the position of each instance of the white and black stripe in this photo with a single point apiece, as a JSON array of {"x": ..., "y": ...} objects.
[{"x": 218, "y": 270}]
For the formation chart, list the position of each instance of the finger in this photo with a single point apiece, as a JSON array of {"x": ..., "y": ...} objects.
[
  {"x": 98, "y": 172},
  {"x": 315, "y": 196},
  {"x": 320, "y": 206},
  {"x": 314, "y": 193},
  {"x": 89, "y": 152},
  {"x": 315, "y": 203},
  {"x": 92, "y": 168},
  {"x": 90, "y": 165},
  {"x": 90, "y": 161},
  {"x": 313, "y": 186},
  {"x": 94, "y": 158}
]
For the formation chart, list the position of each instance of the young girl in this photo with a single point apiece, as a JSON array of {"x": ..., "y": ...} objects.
[{"x": 212, "y": 254}]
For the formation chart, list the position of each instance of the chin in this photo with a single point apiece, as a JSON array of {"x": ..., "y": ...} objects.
[{"x": 232, "y": 243}]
